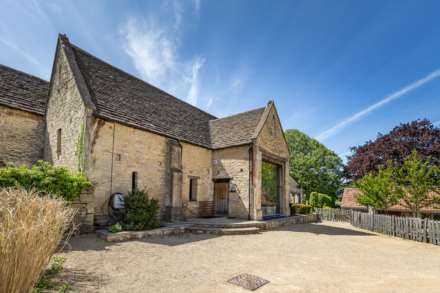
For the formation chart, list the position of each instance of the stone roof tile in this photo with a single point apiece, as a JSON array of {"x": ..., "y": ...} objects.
[
  {"x": 234, "y": 130},
  {"x": 23, "y": 91}
]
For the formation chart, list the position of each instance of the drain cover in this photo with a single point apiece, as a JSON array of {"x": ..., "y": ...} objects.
[{"x": 248, "y": 281}]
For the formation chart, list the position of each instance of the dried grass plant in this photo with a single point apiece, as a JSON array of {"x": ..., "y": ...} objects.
[{"x": 31, "y": 228}]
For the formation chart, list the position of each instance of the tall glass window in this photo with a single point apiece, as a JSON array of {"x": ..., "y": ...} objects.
[{"x": 270, "y": 197}]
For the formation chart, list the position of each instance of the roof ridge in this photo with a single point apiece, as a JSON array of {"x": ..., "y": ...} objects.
[
  {"x": 24, "y": 73},
  {"x": 237, "y": 114},
  {"x": 137, "y": 78}
]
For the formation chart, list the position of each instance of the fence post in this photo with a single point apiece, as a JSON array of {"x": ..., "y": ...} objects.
[
  {"x": 425, "y": 230},
  {"x": 393, "y": 225}
]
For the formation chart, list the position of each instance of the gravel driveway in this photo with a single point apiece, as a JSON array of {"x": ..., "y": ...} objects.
[{"x": 325, "y": 257}]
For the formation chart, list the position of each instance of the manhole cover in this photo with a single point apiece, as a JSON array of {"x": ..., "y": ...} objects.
[{"x": 248, "y": 281}]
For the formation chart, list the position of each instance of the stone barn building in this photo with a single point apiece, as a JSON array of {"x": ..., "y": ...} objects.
[
  {"x": 23, "y": 100},
  {"x": 124, "y": 133}
]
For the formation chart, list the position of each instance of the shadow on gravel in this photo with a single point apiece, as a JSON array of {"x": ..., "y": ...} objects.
[
  {"x": 324, "y": 229},
  {"x": 174, "y": 240},
  {"x": 88, "y": 242},
  {"x": 79, "y": 280}
]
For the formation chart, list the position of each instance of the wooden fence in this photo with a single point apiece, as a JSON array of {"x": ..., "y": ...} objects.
[
  {"x": 335, "y": 215},
  {"x": 423, "y": 230}
]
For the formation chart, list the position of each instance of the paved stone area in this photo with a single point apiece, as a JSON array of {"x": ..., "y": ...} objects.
[{"x": 325, "y": 257}]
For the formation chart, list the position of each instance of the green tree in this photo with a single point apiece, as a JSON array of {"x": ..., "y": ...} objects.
[
  {"x": 418, "y": 183},
  {"x": 378, "y": 190},
  {"x": 313, "y": 166}
]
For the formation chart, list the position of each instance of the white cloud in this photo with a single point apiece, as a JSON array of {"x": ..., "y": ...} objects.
[
  {"x": 31, "y": 59},
  {"x": 197, "y": 6},
  {"x": 209, "y": 103},
  {"x": 389, "y": 98},
  {"x": 153, "y": 48},
  {"x": 193, "y": 94}
]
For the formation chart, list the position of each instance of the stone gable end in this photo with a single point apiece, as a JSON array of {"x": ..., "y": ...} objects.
[
  {"x": 271, "y": 137},
  {"x": 66, "y": 117}
]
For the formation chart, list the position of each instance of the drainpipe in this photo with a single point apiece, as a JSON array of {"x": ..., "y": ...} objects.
[
  {"x": 251, "y": 174},
  {"x": 113, "y": 156}
]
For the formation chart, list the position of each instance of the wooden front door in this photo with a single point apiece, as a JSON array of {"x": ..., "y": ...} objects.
[{"x": 221, "y": 190}]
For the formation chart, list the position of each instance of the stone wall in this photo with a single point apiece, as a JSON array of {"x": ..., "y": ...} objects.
[
  {"x": 21, "y": 137},
  {"x": 233, "y": 163},
  {"x": 116, "y": 152},
  {"x": 196, "y": 163}
]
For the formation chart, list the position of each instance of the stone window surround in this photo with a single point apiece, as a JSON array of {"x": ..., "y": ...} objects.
[
  {"x": 194, "y": 192},
  {"x": 274, "y": 159}
]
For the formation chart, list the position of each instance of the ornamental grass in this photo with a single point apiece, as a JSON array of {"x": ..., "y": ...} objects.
[{"x": 31, "y": 228}]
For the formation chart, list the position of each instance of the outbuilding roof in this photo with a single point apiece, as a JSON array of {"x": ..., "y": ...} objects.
[{"x": 349, "y": 202}]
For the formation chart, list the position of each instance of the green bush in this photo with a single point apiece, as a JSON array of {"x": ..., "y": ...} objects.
[
  {"x": 299, "y": 208},
  {"x": 115, "y": 228},
  {"x": 321, "y": 200},
  {"x": 45, "y": 179},
  {"x": 140, "y": 212}
]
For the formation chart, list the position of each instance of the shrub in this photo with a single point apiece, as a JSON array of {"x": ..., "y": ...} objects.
[
  {"x": 140, "y": 212},
  {"x": 320, "y": 200},
  {"x": 31, "y": 228},
  {"x": 115, "y": 228},
  {"x": 299, "y": 208},
  {"x": 46, "y": 179}
]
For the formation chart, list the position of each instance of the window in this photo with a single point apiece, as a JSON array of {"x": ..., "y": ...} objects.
[
  {"x": 59, "y": 143},
  {"x": 193, "y": 189},
  {"x": 134, "y": 179}
]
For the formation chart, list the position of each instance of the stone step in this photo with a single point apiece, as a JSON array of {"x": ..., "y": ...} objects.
[
  {"x": 224, "y": 231},
  {"x": 260, "y": 225}
]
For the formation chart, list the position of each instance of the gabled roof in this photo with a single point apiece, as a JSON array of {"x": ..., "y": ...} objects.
[
  {"x": 121, "y": 97},
  {"x": 236, "y": 129},
  {"x": 23, "y": 91}
]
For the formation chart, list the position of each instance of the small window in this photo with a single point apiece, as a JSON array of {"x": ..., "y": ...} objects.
[
  {"x": 134, "y": 183},
  {"x": 59, "y": 143},
  {"x": 193, "y": 189}
]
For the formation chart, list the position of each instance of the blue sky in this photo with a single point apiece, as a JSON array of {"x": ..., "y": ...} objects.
[{"x": 340, "y": 71}]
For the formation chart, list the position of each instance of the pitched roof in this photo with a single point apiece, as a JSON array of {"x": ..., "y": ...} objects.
[
  {"x": 349, "y": 202},
  {"x": 236, "y": 129},
  {"x": 122, "y": 97},
  {"x": 23, "y": 91}
]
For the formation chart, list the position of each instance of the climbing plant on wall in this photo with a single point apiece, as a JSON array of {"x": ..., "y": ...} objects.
[{"x": 79, "y": 149}]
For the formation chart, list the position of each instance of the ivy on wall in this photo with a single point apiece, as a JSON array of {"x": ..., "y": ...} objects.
[{"x": 79, "y": 149}]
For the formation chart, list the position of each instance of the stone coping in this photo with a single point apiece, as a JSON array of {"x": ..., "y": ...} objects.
[
  {"x": 181, "y": 228},
  {"x": 136, "y": 235}
]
